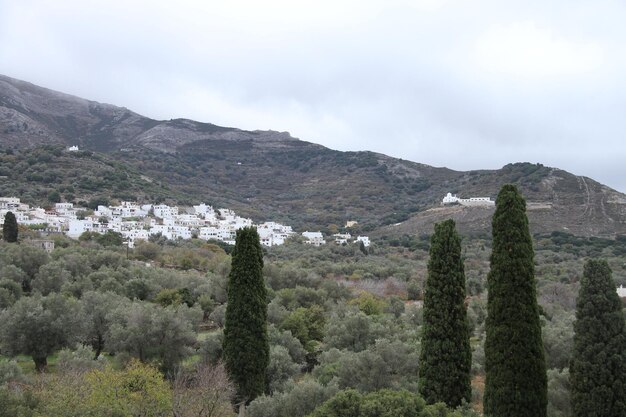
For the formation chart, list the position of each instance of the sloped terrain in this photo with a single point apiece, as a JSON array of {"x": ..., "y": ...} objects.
[{"x": 266, "y": 174}]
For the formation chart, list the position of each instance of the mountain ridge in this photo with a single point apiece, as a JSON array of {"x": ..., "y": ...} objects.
[{"x": 263, "y": 174}]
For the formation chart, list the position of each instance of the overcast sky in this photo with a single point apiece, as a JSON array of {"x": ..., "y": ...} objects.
[{"x": 466, "y": 84}]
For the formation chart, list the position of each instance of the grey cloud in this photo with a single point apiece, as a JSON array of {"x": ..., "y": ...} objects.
[{"x": 406, "y": 78}]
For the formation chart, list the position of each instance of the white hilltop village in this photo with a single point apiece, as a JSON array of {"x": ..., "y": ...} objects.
[{"x": 138, "y": 222}]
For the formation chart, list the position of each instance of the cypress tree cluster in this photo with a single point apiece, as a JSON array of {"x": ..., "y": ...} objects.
[
  {"x": 445, "y": 358},
  {"x": 598, "y": 367},
  {"x": 9, "y": 228},
  {"x": 246, "y": 344},
  {"x": 516, "y": 382}
]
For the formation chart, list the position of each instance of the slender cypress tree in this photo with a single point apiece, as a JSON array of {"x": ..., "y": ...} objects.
[
  {"x": 598, "y": 367},
  {"x": 246, "y": 344},
  {"x": 445, "y": 358},
  {"x": 516, "y": 382},
  {"x": 9, "y": 228}
]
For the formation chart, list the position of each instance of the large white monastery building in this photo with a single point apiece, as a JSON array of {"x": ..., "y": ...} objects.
[{"x": 472, "y": 201}]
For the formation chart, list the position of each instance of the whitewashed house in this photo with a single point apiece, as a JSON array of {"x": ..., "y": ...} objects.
[
  {"x": 342, "y": 238},
  {"x": 164, "y": 211},
  {"x": 314, "y": 238},
  {"x": 208, "y": 233},
  {"x": 9, "y": 203},
  {"x": 621, "y": 291},
  {"x": 364, "y": 239},
  {"x": 63, "y": 207},
  {"x": 103, "y": 211},
  {"x": 188, "y": 220},
  {"x": 133, "y": 235},
  {"x": 266, "y": 236},
  {"x": 78, "y": 227}
]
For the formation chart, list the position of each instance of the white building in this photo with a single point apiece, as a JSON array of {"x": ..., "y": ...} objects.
[
  {"x": 66, "y": 210},
  {"x": 78, "y": 227},
  {"x": 63, "y": 207},
  {"x": 188, "y": 220},
  {"x": 73, "y": 148},
  {"x": 450, "y": 199},
  {"x": 133, "y": 235},
  {"x": 342, "y": 238},
  {"x": 364, "y": 239},
  {"x": 9, "y": 203},
  {"x": 314, "y": 238},
  {"x": 469, "y": 202},
  {"x": 621, "y": 291},
  {"x": 266, "y": 236},
  {"x": 204, "y": 211},
  {"x": 103, "y": 211},
  {"x": 164, "y": 211}
]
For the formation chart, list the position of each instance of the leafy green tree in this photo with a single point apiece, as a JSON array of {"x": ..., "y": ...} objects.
[
  {"x": 298, "y": 400},
  {"x": 516, "y": 382},
  {"x": 9, "y": 228},
  {"x": 355, "y": 331},
  {"x": 10, "y": 291},
  {"x": 207, "y": 304},
  {"x": 368, "y": 303},
  {"x": 139, "y": 289},
  {"x": 38, "y": 326},
  {"x": 280, "y": 369},
  {"x": 307, "y": 325},
  {"x": 54, "y": 196},
  {"x": 395, "y": 306},
  {"x": 559, "y": 393},
  {"x": 168, "y": 297},
  {"x": 388, "y": 364},
  {"x": 446, "y": 356},
  {"x": 27, "y": 259},
  {"x": 151, "y": 333},
  {"x": 137, "y": 391},
  {"x": 51, "y": 278},
  {"x": 98, "y": 307},
  {"x": 246, "y": 346},
  {"x": 598, "y": 366},
  {"x": 286, "y": 339},
  {"x": 110, "y": 238}
]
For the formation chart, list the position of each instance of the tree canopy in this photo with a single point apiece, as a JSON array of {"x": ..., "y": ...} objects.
[
  {"x": 445, "y": 359},
  {"x": 9, "y": 228},
  {"x": 516, "y": 381},
  {"x": 598, "y": 366},
  {"x": 246, "y": 345}
]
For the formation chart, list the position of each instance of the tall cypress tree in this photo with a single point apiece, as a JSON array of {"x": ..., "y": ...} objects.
[
  {"x": 246, "y": 344},
  {"x": 598, "y": 367},
  {"x": 516, "y": 382},
  {"x": 445, "y": 358},
  {"x": 9, "y": 228}
]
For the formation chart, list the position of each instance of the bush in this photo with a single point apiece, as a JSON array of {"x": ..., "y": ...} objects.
[
  {"x": 281, "y": 368},
  {"x": 10, "y": 371},
  {"x": 298, "y": 400}
]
